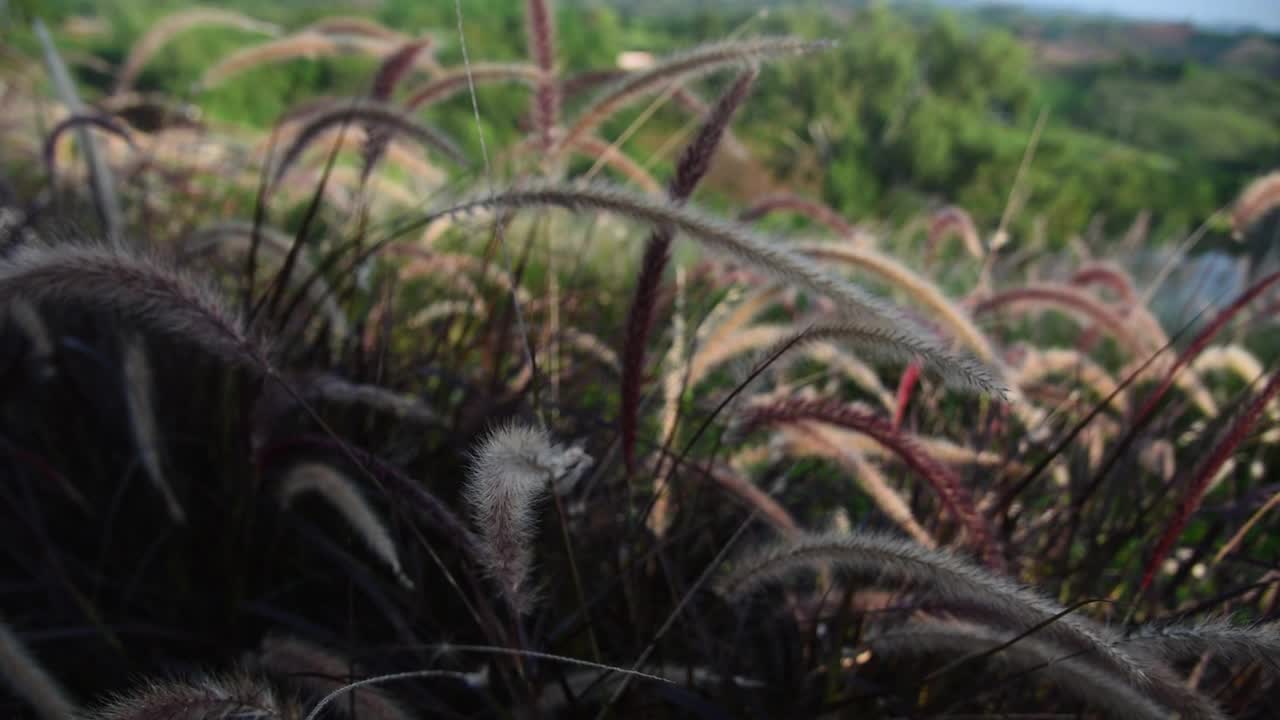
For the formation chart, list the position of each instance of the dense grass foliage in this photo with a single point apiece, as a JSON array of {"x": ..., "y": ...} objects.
[{"x": 400, "y": 370}]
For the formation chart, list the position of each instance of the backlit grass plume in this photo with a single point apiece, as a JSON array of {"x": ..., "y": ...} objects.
[
  {"x": 1074, "y": 676},
  {"x": 510, "y": 471},
  {"x": 139, "y": 287}
]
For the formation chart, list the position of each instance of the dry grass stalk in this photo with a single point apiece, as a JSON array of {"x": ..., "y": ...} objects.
[
  {"x": 341, "y": 494},
  {"x": 1231, "y": 545},
  {"x": 509, "y": 472},
  {"x": 173, "y": 24},
  {"x": 756, "y": 499},
  {"x": 29, "y": 681}
]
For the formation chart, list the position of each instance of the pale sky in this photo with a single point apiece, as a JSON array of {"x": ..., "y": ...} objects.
[{"x": 1259, "y": 13}]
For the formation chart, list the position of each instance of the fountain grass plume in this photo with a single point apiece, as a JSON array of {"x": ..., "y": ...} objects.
[
  {"x": 514, "y": 466},
  {"x": 1068, "y": 299},
  {"x": 316, "y": 672},
  {"x": 304, "y": 44},
  {"x": 237, "y": 695},
  {"x": 816, "y": 439},
  {"x": 371, "y": 113},
  {"x": 1074, "y": 676},
  {"x": 1206, "y": 471},
  {"x": 889, "y": 561},
  {"x": 951, "y": 491},
  {"x": 816, "y": 211},
  {"x": 173, "y": 24},
  {"x": 455, "y": 80},
  {"x": 682, "y": 68},
  {"x": 541, "y": 26},
  {"x": 390, "y": 70},
  {"x": 953, "y": 220},
  {"x": 767, "y": 256},
  {"x": 1258, "y": 199},
  {"x": 693, "y": 164},
  {"x": 142, "y": 422},
  {"x": 137, "y": 286}
]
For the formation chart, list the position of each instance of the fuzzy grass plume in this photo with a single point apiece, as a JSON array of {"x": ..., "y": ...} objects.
[
  {"x": 233, "y": 696},
  {"x": 510, "y": 471}
]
